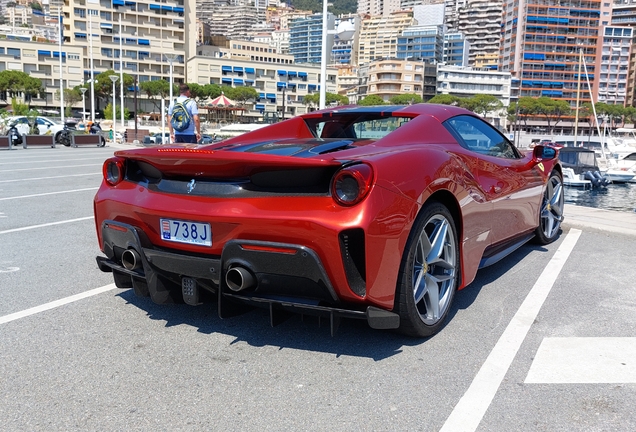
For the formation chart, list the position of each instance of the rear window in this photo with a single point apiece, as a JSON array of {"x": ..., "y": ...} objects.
[{"x": 355, "y": 127}]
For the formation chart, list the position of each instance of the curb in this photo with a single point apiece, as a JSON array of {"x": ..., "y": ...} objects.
[{"x": 600, "y": 219}]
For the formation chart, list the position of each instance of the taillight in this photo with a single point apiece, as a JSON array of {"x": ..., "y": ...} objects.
[
  {"x": 113, "y": 170},
  {"x": 351, "y": 184}
]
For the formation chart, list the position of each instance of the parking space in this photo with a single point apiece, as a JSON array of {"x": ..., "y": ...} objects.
[{"x": 110, "y": 360}]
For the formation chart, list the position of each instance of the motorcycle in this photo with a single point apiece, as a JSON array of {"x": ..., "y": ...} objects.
[
  {"x": 15, "y": 138},
  {"x": 96, "y": 129}
]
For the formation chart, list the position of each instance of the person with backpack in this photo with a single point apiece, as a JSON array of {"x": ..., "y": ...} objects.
[{"x": 183, "y": 118}]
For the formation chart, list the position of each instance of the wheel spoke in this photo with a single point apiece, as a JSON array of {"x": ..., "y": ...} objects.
[
  {"x": 432, "y": 288},
  {"x": 419, "y": 286},
  {"x": 423, "y": 247},
  {"x": 438, "y": 240}
]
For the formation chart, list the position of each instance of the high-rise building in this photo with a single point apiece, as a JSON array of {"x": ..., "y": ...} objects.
[
  {"x": 451, "y": 13},
  {"x": 421, "y": 42},
  {"x": 624, "y": 14},
  {"x": 613, "y": 65},
  {"x": 456, "y": 49},
  {"x": 379, "y": 36},
  {"x": 480, "y": 22},
  {"x": 378, "y": 7},
  {"x": 541, "y": 41},
  {"x": 305, "y": 38}
]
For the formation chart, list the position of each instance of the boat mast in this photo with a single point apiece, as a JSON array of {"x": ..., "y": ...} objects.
[
  {"x": 598, "y": 129},
  {"x": 578, "y": 98}
]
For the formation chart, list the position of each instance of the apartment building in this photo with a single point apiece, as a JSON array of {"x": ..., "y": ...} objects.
[
  {"x": 379, "y": 35},
  {"x": 468, "y": 82},
  {"x": 613, "y": 65},
  {"x": 421, "y": 42},
  {"x": 42, "y": 60},
  {"x": 388, "y": 78},
  {"x": 624, "y": 14},
  {"x": 234, "y": 21},
  {"x": 282, "y": 85},
  {"x": 480, "y": 22},
  {"x": 541, "y": 41},
  {"x": 148, "y": 32},
  {"x": 456, "y": 49},
  {"x": 378, "y": 7}
]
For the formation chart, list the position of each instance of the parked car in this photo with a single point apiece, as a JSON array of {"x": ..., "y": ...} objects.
[
  {"x": 160, "y": 137},
  {"x": 45, "y": 126},
  {"x": 206, "y": 139},
  {"x": 378, "y": 213}
]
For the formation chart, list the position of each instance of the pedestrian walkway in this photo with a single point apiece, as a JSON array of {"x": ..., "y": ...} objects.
[{"x": 604, "y": 220}]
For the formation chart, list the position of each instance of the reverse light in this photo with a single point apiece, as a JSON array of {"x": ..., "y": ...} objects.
[
  {"x": 113, "y": 170},
  {"x": 351, "y": 184}
]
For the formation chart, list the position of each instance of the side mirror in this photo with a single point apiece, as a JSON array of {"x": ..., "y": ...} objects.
[{"x": 541, "y": 152}]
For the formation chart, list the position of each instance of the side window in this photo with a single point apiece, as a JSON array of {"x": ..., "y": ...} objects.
[{"x": 478, "y": 136}]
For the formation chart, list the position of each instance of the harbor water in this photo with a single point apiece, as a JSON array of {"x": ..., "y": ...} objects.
[{"x": 617, "y": 197}]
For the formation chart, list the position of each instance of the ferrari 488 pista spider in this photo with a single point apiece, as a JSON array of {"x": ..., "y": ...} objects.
[{"x": 380, "y": 213}]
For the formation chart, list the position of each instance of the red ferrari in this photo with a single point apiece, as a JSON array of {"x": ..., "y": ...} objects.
[{"x": 380, "y": 213}]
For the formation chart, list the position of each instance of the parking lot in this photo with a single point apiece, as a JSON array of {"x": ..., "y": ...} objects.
[{"x": 543, "y": 341}]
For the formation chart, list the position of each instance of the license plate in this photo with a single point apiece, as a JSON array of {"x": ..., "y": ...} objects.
[{"x": 186, "y": 232}]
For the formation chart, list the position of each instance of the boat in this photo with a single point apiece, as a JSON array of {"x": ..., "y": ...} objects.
[
  {"x": 575, "y": 180},
  {"x": 580, "y": 168}
]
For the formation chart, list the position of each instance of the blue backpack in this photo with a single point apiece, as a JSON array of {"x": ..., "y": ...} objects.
[{"x": 181, "y": 117}]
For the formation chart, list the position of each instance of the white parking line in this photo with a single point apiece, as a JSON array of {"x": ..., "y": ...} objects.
[
  {"x": 471, "y": 408},
  {"x": 15, "y": 162},
  {"x": 48, "y": 178},
  {"x": 50, "y": 167},
  {"x": 47, "y": 193},
  {"x": 45, "y": 225},
  {"x": 57, "y": 303}
]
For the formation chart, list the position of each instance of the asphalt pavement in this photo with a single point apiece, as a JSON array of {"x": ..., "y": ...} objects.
[{"x": 544, "y": 340}]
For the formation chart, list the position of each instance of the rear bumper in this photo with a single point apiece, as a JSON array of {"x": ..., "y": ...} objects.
[{"x": 288, "y": 278}]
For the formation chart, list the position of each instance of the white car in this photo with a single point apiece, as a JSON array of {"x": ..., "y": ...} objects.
[{"x": 45, "y": 125}]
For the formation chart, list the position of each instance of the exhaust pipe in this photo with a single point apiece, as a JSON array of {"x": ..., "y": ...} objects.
[
  {"x": 131, "y": 259},
  {"x": 239, "y": 278}
]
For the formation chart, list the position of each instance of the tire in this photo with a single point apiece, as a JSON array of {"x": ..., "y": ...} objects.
[
  {"x": 429, "y": 272},
  {"x": 64, "y": 138},
  {"x": 551, "y": 213}
]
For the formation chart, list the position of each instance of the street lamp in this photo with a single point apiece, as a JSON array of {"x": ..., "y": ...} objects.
[
  {"x": 83, "y": 90},
  {"x": 171, "y": 57},
  {"x": 59, "y": 21},
  {"x": 114, "y": 79},
  {"x": 323, "y": 58}
]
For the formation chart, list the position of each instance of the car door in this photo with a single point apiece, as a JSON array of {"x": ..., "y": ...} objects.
[
  {"x": 43, "y": 125},
  {"x": 510, "y": 183}
]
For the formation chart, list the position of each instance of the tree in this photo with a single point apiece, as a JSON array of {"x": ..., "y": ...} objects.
[
  {"x": 330, "y": 99},
  {"x": 371, "y": 100},
  {"x": 36, "y": 6},
  {"x": 197, "y": 92},
  {"x": 104, "y": 86},
  {"x": 243, "y": 94},
  {"x": 108, "y": 112},
  {"x": 71, "y": 97},
  {"x": 12, "y": 82},
  {"x": 155, "y": 91},
  {"x": 483, "y": 104},
  {"x": 552, "y": 110},
  {"x": 445, "y": 99},
  {"x": 406, "y": 99}
]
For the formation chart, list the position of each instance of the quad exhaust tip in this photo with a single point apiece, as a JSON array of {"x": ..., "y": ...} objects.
[
  {"x": 131, "y": 259},
  {"x": 239, "y": 278}
]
